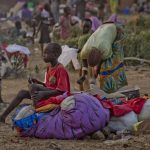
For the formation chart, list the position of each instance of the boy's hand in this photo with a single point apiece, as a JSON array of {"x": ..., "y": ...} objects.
[
  {"x": 32, "y": 80},
  {"x": 38, "y": 95}
]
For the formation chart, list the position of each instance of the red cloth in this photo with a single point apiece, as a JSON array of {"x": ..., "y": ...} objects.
[
  {"x": 127, "y": 106},
  {"x": 52, "y": 100},
  {"x": 25, "y": 60},
  {"x": 4, "y": 46},
  {"x": 136, "y": 104},
  {"x": 57, "y": 78}
]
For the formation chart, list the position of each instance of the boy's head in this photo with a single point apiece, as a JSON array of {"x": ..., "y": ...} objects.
[
  {"x": 46, "y": 7},
  {"x": 95, "y": 57},
  {"x": 87, "y": 25},
  {"x": 52, "y": 52}
]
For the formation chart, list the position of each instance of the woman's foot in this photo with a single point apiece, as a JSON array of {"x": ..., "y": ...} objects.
[{"x": 81, "y": 80}]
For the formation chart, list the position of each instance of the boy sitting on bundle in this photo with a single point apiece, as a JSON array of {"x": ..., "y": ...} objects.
[{"x": 56, "y": 82}]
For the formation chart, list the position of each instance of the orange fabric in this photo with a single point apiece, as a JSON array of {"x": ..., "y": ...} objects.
[{"x": 47, "y": 108}]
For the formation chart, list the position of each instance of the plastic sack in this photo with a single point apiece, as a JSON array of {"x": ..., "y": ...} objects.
[
  {"x": 68, "y": 55},
  {"x": 68, "y": 103},
  {"x": 145, "y": 112},
  {"x": 102, "y": 39},
  {"x": 25, "y": 112},
  {"x": 124, "y": 122}
]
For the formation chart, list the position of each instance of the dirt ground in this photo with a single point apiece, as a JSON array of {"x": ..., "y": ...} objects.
[{"x": 8, "y": 139}]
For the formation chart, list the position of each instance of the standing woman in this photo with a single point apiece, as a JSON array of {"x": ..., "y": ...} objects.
[{"x": 106, "y": 56}]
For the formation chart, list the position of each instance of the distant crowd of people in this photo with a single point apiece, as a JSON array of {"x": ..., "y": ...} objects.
[{"x": 140, "y": 6}]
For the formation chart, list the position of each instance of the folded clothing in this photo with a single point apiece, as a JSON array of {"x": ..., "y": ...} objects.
[
  {"x": 46, "y": 108},
  {"x": 51, "y": 103}
]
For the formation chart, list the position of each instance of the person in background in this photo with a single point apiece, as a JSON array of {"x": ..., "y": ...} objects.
[
  {"x": 110, "y": 70},
  {"x": 26, "y": 14},
  {"x": 75, "y": 24},
  {"x": 16, "y": 32},
  {"x": 54, "y": 4},
  {"x": 113, "y": 5},
  {"x": 101, "y": 13},
  {"x": 86, "y": 33},
  {"x": 65, "y": 24},
  {"x": 92, "y": 15},
  {"x": 81, "y": 6},
  {"x": 134, "y": 8},
  {"x": 45, "y": 22}
]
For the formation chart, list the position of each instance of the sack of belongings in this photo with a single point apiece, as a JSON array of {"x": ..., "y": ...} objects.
[{"x": 102, "y": 39}]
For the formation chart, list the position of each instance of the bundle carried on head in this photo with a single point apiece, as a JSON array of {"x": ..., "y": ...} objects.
[{"x": 102, "y": 40}]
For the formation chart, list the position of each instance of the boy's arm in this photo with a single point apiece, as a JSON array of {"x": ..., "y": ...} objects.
[{"x": 32, "y": 80}]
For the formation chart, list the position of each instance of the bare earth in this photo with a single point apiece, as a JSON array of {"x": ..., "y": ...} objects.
[{"x": 9, "y": 140}]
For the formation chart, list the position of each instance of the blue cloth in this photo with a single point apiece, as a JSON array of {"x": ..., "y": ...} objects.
[
  {"x": 26, "y": 122},
  {"x": 113, "y": 70}
]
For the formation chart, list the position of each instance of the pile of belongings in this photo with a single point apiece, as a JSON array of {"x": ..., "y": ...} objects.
[{"x": 77, "y": 115}]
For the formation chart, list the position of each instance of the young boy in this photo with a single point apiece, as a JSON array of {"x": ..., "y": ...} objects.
[{"x": 56, "y": 81}]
